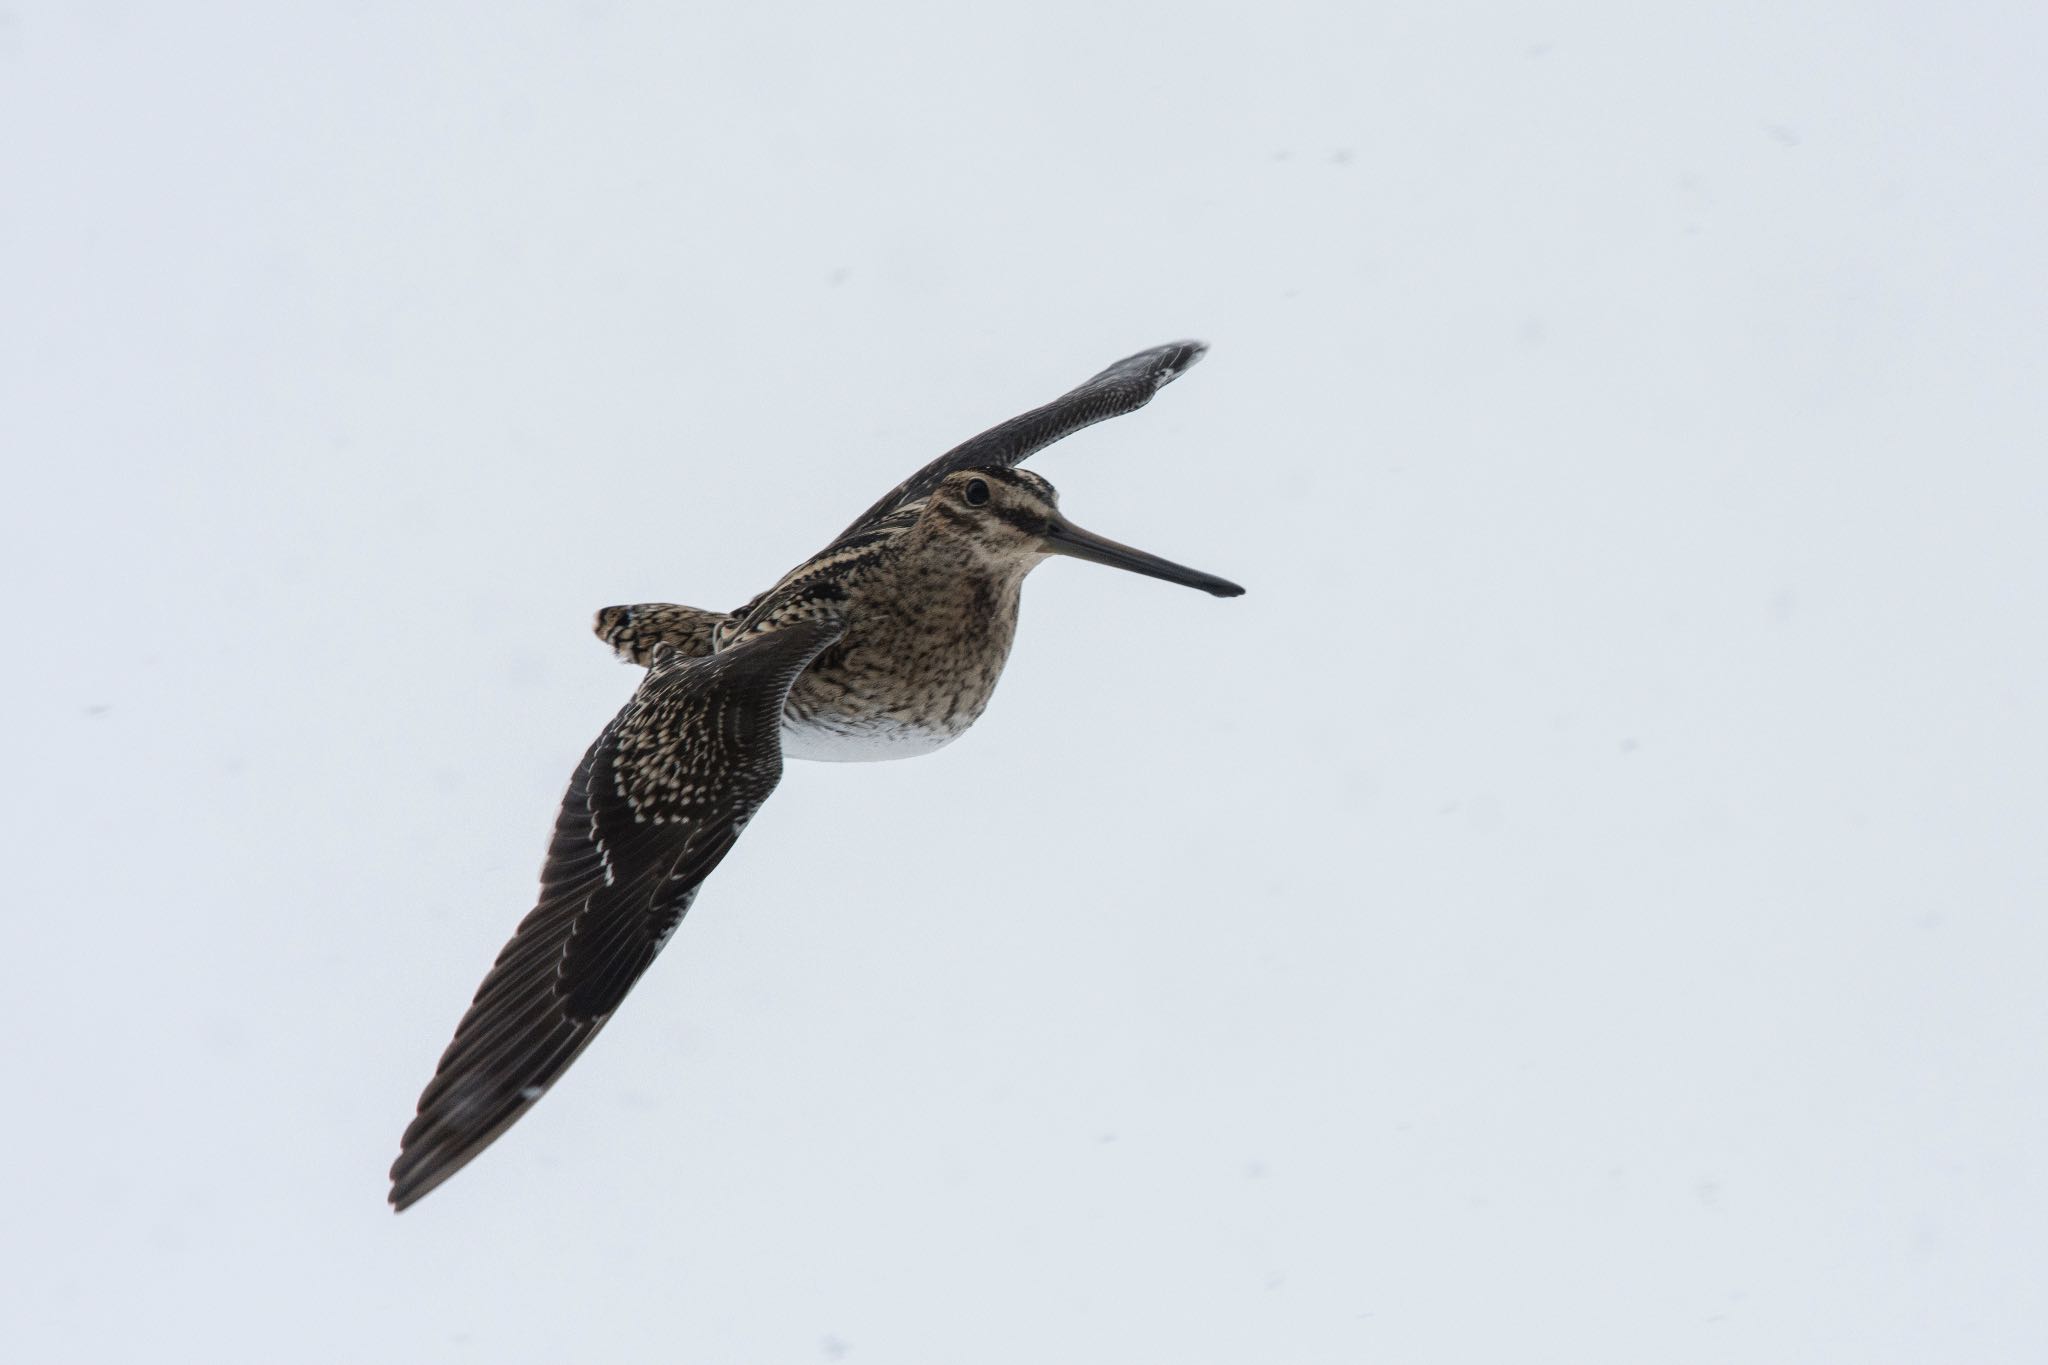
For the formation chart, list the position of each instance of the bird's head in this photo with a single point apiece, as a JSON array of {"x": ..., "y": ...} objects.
[{"x": 1012, "y": 517}]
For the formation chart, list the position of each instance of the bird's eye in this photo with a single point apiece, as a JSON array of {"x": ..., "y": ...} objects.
[{"x": 976, "y": 492}]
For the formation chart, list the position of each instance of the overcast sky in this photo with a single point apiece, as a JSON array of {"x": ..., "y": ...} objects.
[{"x": 1585, "y": 903}]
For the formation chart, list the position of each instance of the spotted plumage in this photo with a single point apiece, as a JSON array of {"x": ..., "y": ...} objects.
[{"x": 887, "y": 643}]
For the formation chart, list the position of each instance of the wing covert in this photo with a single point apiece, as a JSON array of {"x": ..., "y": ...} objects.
[{"x": 658, "y": 800}]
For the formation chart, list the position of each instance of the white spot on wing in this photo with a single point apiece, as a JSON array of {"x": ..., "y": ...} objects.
[{"x": 604, "y": 855}]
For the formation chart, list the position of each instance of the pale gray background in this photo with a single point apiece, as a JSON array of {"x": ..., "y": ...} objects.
[{"x": 1584, "y": 904}]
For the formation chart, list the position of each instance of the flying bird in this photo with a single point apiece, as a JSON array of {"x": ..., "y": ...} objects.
[{"x": 885, "y": 644}]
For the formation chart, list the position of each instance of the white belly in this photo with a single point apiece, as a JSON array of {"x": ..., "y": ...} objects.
[{"x": 862, "y": 743}]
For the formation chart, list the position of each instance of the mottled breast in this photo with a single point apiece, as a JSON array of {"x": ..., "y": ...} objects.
[{"x": 915, "y": 669}]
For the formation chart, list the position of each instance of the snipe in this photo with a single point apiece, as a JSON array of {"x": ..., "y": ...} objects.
[{"x": 887, "y": 643}]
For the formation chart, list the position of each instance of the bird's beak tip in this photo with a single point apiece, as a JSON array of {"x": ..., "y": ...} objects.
[{"x": 1062, "y": 537}]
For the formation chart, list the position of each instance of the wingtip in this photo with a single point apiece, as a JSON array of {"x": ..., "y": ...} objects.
[
  {"x": 407, "y": 1186},
  {"x": 1179, "y": 358},
  {"x": 410, "y": 1186}
]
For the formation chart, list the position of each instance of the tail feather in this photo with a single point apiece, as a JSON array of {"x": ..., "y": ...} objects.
[{"x": 634, "y": 631}]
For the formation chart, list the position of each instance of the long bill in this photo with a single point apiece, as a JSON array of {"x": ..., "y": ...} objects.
[{"x": 1062, "y": 537}]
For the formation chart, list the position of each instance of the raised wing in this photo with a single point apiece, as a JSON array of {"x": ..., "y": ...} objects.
[
  {"x": 1124, "y": 387},
  {"x": 655, "y": 805}
]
